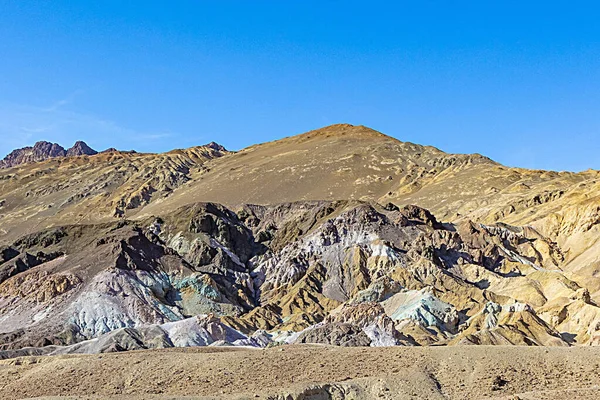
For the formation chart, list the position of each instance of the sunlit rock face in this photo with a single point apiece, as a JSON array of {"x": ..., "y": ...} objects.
[
  {"x": 342, "y": 273},
  {"x": 39, "y": 152},
  {"x": 117, "y": 250},
  {"x": 42, "y": 151}
]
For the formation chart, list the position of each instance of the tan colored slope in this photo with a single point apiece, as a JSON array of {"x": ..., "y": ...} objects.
[
  {"x": 342, "y": 162},
  {"x": 356, "y": 162},
  {"x": 336, "y": 162},
  {"x": 515, "y": 324},
  {"x": 311, "y": 372},
  {"x": 92, "y": 188}
]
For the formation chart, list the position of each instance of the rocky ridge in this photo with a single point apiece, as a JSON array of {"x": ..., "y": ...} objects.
[
  {"x": 311, "y": 239},
  {"x": 42, "y": 151},
  {"x": 95, "y": 188},
  {"x": 344, "y": 273},
  {"x": 80, "y": 149}
]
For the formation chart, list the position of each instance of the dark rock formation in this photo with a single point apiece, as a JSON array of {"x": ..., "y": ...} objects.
[
  {"x": 39, "y": 152},
  {"x": 81, "y": 149},
  {"x": 42, "y": 151},
  {"x": 216, "y": 146}
]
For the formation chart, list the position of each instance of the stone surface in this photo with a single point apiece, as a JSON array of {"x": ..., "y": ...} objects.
[
  {"x": 321, "y": 238},
  {"x": 80, "y": 148},
  {"x": 39, "y": 152}
]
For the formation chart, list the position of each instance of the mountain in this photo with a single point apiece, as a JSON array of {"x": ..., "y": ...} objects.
[
  {"x": 80, "y": 149},
  {"x": 42, "y": 151},
  {"x": 96, "y": 188},
  {"x": 39, "y": 152},
  {"x": 336, "y": 162},
  {"x": 359, "y": 272},
  {"x": 340, "y": 236}
]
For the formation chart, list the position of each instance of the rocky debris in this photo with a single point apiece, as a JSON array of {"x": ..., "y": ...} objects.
[
  {"x": 364, "y": 324},
  {"x": 374, "y": 322},
  {"x": 511, "y": 324},
  {"x": 311, "y": 372},
  {"x": 336, "y": 334}
]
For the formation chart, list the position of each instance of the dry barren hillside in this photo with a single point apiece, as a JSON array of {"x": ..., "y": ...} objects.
[
  {"x": 339, "y": 162},
  {"x": 356, "y": 162},
  {"x": 339, "y": 236},
  {"x": 343, "y": 162},
  {"x": 101, "y": 187}
]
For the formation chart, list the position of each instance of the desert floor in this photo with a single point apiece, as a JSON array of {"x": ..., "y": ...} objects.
[{"x": 310, "y": 372}]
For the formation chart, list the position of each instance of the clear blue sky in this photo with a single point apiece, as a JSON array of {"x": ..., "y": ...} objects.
[{"x": 518, "y": 81}]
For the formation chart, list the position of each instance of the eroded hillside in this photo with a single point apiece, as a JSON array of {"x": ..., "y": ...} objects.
[
  {"x": 102, "y": 187},
  {"x": 340, "y": 236},
  {"x": 342, "y": 273}
]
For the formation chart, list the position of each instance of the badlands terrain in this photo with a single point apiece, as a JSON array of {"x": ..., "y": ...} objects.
[{"x": 311, "y": 255}]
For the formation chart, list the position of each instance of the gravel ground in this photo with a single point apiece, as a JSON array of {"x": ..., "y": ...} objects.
[{"x": 311, "y": 372}]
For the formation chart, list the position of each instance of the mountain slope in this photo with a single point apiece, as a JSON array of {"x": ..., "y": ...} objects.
[
  {"x": 345, "y": 273},
  {"x": 101, "y": 187},
  {"x": 332, "y": 163},
  {"x": 39, "y": 152},
  {"x": 356, "y": 162},
  {"x": 310, "y": 239}
]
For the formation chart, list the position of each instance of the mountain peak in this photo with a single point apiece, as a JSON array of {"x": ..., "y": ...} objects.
[
  {"x": 44, "y": 150},
  {"x": 216, "y": 146},
  {"x": 344, "y": 130},
  {"x": 52, "y": 149},
  {"x": 40, "y": 151},
  {"x": 80, "y": 148}
]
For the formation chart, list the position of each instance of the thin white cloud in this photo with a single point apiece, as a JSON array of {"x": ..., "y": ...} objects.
[
  {"x": 63, "y": 102},
  {"x": 24, "y": 125},
  {"x": 36, "y": 130},
  {"x": 55, "y": 106}
]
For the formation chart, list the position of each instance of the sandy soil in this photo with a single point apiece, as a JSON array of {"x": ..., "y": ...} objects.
[{"x": 311, "y": 372}]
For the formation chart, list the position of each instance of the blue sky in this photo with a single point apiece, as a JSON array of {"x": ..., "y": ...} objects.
[{"x": 516, "y": 81}]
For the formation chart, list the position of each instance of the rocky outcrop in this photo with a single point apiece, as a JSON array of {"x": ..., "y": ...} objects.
[
  {"x": 511, "y": 324},
  {"x": 42, "y": 151},
  {"x": 39, "y": 152},
  {"x": 81, "y": 149},
  {"x": 343, "y": 273},
  {"x": 107, "y": 277},
  {"x": 364, "y": 324},
  {"x": 335, "y": 334}
]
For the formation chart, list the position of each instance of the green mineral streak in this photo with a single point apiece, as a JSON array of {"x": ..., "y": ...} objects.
[{"x": 196, "y": 283}]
